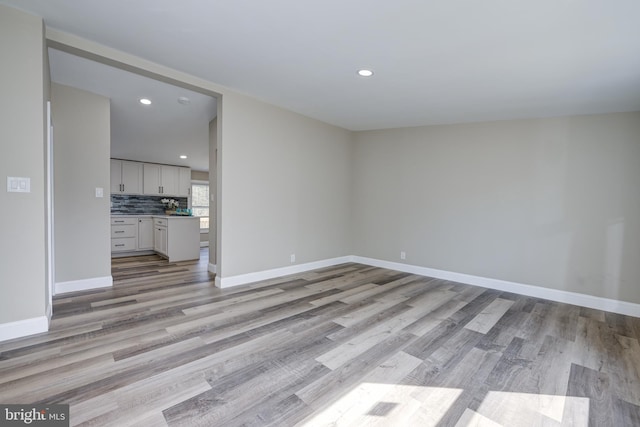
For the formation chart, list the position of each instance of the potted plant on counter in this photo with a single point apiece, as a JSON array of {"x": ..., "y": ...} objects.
[{"x": 170, "y": 206}]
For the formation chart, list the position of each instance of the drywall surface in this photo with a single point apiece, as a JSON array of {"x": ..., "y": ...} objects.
[
  {"x": 22, "y": 246},
  {"x": 284, "y": 188},
  {"x": 550, "y": 202},
  {"x": 81, "y": 122}
]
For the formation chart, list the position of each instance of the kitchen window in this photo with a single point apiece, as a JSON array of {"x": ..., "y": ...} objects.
[{"x": 200, "y": 203}]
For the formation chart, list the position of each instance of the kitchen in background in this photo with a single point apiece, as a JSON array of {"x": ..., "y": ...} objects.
[{"x": 142, "y": 220}]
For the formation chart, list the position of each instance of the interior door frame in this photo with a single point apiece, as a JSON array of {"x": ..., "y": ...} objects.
[{"x": 50, "y": 246}]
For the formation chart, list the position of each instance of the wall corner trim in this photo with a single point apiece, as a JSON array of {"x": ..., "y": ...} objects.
[
  {"x": 242, "y": 279},
  {"x": 84, "y": 284},
  {"x": 23, "y": 328},
  {"x": 557, "y": 295}
]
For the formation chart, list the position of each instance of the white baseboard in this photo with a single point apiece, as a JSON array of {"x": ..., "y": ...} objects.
[
  {"x": 213, "y": 268},
  {"x": 584, "y": 300},
  {"x": 241, "y": 279},
  {"x": 132, "y": 253},
  {"x": 23, "y": 328},
  {"x": 204, "y": 244},
  {"x": 590, "y": 301},
  {"x": 84, "y": 284}
]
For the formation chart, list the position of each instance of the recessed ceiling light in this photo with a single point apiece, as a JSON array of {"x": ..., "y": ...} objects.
[
  {"x": 184, "y": 100},
  {"x": 145, "y": 101},
  {"x": 365, "y": 73},
  {"x": 182, "y": 156}
]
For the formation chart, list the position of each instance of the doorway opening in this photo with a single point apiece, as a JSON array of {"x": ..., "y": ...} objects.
[{"x": 190, "y": 103}]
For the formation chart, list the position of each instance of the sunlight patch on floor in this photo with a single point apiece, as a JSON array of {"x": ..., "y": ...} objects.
[
  {"x": 527, "y": 409},
  {"x": 376, "y": 404},
  {"x": 387, "y": 404}
]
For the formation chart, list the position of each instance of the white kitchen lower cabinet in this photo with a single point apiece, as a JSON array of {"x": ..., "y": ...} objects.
[
  {"x": 160, "y": 236},
  {"x": 124, "y": 234},
  {"x": 177, "y": 238},
  {"x": 145, "y": 234}
]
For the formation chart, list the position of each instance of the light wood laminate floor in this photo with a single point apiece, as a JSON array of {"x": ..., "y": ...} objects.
[{"x": 345, "y": 345}]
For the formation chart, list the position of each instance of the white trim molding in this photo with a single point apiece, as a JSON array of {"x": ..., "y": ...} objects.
[
  {"x": 84, "y": 284},
  {"x": 49, "y": 314},
  {"x": 242, "y": 279},
  {"x": 213, "y": 268},
  {"x": 584, "y": 300},
  {"x": 23, "y": 328},
  {"x": 558, "y": 295}
]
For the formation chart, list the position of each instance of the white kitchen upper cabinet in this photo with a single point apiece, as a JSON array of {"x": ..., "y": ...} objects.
[
  {"x": 184, "y": 189},
  {"x": 126, "y": 177},
  {"x": 116, "y": 176},
  {"x": 131, "y": 177},
  {"x": 169, "y": 180},
  {"x": 152, "y": 179},
  {"x": 161, "y": 180}
]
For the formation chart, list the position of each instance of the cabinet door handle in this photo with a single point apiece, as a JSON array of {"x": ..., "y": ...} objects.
[
  {"x": 123, "y": 187},
  {"x": 121, "y": 231},
  {"x": 118, "y": 221},
  {"x": 120, "y": 245}
]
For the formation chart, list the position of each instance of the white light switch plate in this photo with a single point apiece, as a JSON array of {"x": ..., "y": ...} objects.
[
  {"x": 18, "y": 184},
  {"x": 99, "y": 192}
]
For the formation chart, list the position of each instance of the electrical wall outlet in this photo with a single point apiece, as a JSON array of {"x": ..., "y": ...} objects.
[
  {"x": 403, "y": 255},
  {"x": 293, "y": 258}
]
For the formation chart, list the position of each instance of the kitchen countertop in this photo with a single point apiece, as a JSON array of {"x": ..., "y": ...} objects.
[{"x": 154, "y": 216}]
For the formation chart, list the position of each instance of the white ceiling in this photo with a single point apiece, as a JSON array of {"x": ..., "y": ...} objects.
[
  {"x": 434, "y": 61},
  {"x": 160, "y": 132}
]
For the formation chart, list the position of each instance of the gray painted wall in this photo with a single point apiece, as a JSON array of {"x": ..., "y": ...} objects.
[
  {"x": 82, "y": 126},
  {"x": 551, "y": 203},
  {"x": 22, "y": 137},
  {"x": 284, "y": 187},
  {"x": 200, "y": 175}
]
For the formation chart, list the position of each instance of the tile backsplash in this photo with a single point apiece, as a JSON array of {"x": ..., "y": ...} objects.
[{"x": 141, "y": 205}]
